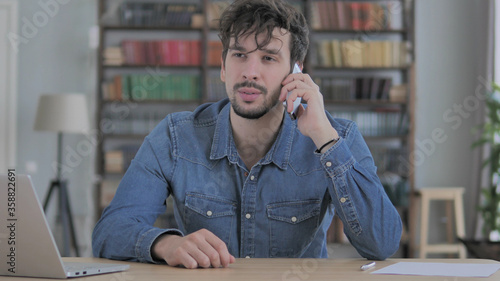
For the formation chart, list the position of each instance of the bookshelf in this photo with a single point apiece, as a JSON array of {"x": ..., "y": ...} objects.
[{"x": 163, "y": 56}]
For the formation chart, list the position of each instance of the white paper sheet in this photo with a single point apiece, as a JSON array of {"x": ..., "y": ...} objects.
[{"x": 440, "y": 269}]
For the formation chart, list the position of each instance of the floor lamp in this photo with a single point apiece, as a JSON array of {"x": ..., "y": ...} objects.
[{"x": 62, "y": 113}]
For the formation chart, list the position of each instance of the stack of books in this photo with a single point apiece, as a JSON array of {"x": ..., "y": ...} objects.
[{"x": 113, "y": 56}]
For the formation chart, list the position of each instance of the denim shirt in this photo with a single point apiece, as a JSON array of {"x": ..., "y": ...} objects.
[{"x": 281, "y": 207}]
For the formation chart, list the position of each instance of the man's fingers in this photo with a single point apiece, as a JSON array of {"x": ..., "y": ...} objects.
[
  {"x": 217, "y": 251},
  {"x": 209, "y": 256},
  {"x": 201, "y": 248}
]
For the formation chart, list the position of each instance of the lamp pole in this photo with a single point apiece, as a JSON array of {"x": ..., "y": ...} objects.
[{"x": 64, "y": 205}]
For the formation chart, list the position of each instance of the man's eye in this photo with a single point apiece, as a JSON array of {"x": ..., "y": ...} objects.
[
  {"x": 269, "y": 58},
  {"x": 239, "y": 55}
]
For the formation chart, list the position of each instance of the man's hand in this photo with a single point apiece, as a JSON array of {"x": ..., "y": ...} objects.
[
  {"x": 200, "y": 248},
  {"x": 312, "y": 121}
]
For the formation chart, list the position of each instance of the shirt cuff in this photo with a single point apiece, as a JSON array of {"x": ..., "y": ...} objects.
[
  {"x": 337, "y": 159},
  {"x": 143, "y": 248}
]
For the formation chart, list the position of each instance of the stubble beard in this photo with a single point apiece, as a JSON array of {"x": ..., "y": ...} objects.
[{"x": 269, "y": 102}]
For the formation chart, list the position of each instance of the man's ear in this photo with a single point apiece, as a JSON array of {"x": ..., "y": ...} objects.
[{"x": 222, "y": 71}]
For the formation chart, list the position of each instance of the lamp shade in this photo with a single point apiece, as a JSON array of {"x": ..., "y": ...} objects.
[{"x": 66, "y": 113}]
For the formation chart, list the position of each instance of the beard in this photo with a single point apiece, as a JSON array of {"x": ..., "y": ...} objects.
[{"x": 269, "y": 102}]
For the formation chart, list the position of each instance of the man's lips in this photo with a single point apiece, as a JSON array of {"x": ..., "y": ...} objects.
[{"x": 248, "y": 94}]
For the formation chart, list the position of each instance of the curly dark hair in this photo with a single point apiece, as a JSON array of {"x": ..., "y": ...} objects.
[{"x": 246, "y": 17}]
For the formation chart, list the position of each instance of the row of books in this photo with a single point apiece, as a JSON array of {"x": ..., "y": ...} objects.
[
  {"x": 143, "y": 87},
  {"x": 355, "y": 88},
  {"x": 157, "y": 14},
  {"x": 356, "y": 53},
  {"x": 366, "y": 16},
  {"x": 118, "y": 123},
  {"x": 381, "y": 122},
  {"x": 164, "y": 52}
]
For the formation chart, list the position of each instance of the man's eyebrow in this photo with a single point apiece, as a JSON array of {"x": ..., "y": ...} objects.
[
  {"x": 239, "y": 48},
  {"x": 271, "y": 51}
]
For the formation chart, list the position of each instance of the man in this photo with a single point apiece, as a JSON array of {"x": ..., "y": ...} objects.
[{"x": 246, "y": 179}]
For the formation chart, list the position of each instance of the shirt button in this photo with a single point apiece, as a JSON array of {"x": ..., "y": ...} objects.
[
  {"x": 248, "y": 216},
  {"x": 252, "y": 178},
  {"x": 209, "y": 213},
  {"x": 294, "y": 219},
  {"x": 342, "y": 200},
  {"x": 328, "y": 164}
]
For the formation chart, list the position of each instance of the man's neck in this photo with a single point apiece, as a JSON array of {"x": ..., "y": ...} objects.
[{"x": 254, "y": 137}]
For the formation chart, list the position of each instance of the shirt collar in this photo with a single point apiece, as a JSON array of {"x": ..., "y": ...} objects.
[{"x": 223, "y": 143}]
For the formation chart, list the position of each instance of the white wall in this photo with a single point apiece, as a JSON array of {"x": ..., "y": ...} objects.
[
  {"x": 54, "y": 56},
  {"x": 450, "y": 50},
  {"x": 8, "y": 85}
]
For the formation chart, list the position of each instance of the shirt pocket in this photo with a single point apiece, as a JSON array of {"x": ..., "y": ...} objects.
[
  {"x": 292, "y": 226},
  {"x": 213, "y": 213}
]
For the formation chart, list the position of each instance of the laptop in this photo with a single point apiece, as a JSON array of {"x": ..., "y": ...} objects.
[{"x": 27, "y": 246}]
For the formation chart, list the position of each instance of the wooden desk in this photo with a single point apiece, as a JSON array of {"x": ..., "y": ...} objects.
[{"x": 266, "y": 269}]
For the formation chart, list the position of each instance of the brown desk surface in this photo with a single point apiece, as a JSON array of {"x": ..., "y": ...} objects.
[{"x": 267, "y": 269}]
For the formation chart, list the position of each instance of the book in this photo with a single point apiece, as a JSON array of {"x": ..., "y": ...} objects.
[
  {"x": 356, "y": 15},
  {"x": 214, "y": 53},
  {"x": 324, "y": 53}
]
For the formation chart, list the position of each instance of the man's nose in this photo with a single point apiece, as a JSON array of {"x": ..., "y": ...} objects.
[{"x": 251, "y": 70}]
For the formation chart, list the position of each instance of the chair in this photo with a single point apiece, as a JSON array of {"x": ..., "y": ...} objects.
[{"x": 451, "y": 195}]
